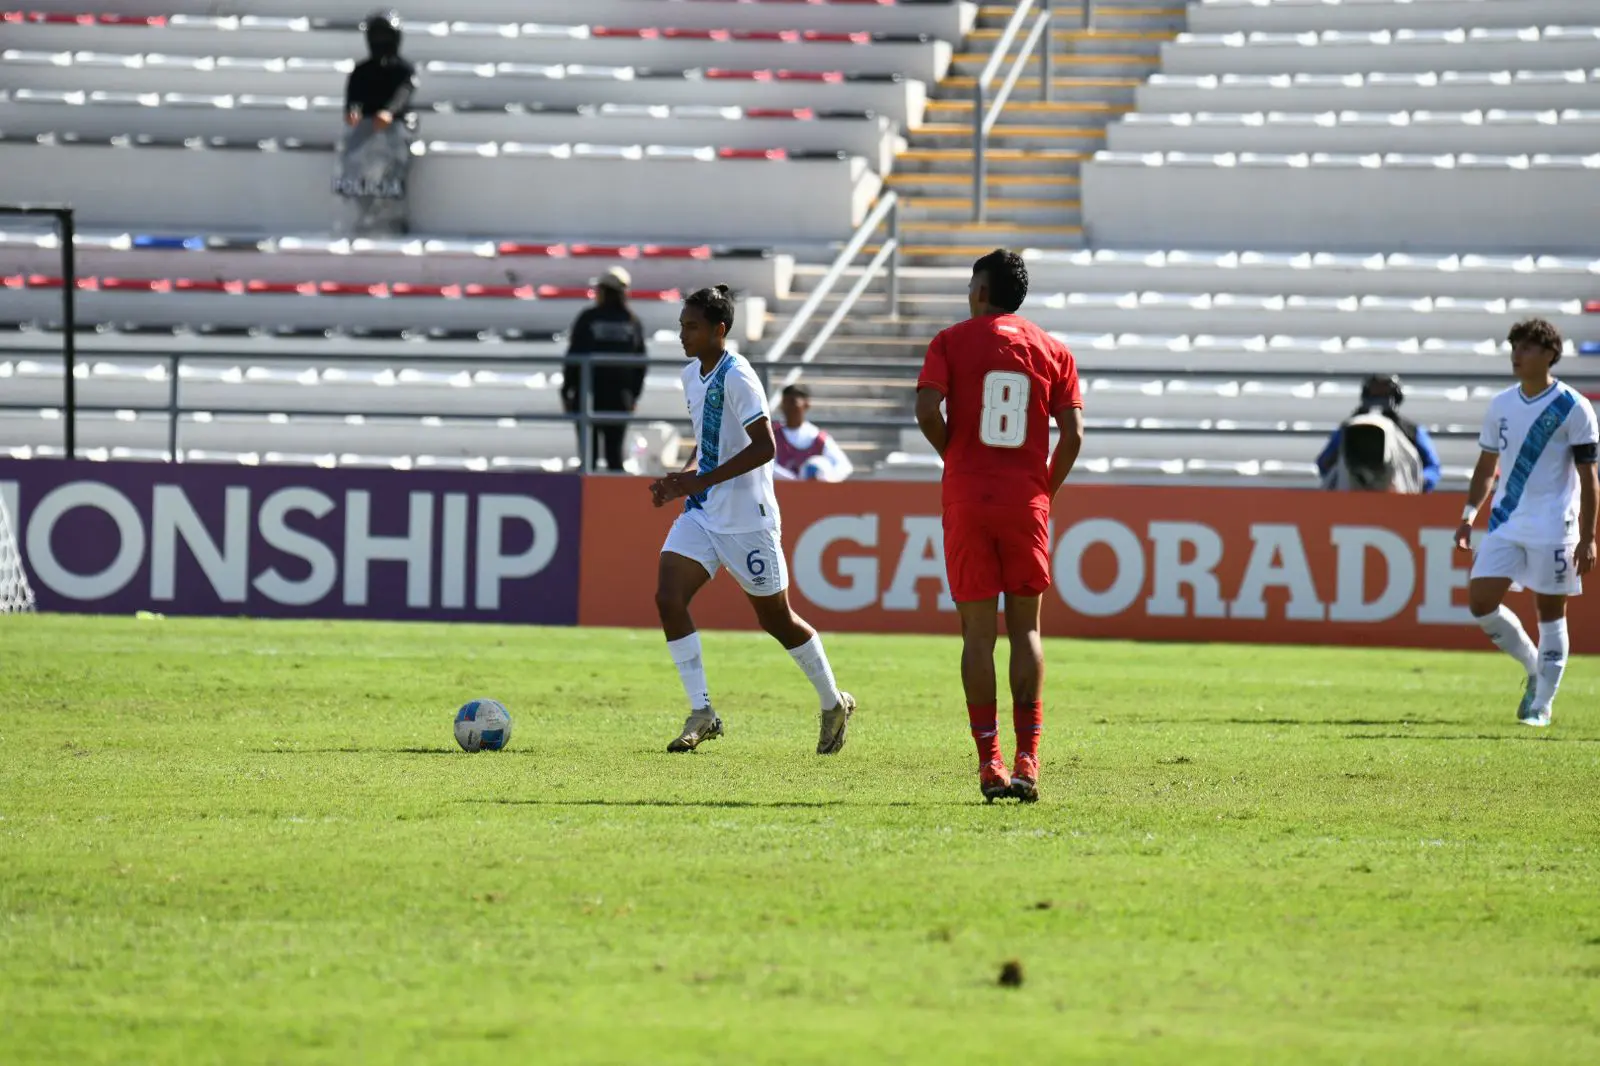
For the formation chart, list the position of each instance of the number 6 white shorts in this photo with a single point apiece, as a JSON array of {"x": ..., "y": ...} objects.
[
  {"x": 1544, "y": 568},
  {"x": 755, "y": 559}
]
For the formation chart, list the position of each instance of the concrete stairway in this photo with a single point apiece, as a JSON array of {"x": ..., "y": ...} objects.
[{"x": 1033, "y": 154}]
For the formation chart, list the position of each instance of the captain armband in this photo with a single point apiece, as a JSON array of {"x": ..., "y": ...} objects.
[{"x": 1584, "y": 453}]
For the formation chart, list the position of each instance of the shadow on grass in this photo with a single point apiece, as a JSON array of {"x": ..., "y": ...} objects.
[
  {"x": 1298, "y": 721},
  {"x": 704, "y": 804},
  {"x": 372, "y": 751},
  {"x": 1528, "y": 737}
]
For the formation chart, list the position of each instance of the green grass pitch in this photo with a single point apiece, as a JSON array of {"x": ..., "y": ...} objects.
[{"x": 254, "y": 842}]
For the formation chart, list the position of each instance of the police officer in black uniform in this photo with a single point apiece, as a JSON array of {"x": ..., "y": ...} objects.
[
  {"x": 607, "y": 328},
  {"x": 376, "y": 156}
]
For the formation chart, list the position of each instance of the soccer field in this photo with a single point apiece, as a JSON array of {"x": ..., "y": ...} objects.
[{"x": 250, "y": 842}]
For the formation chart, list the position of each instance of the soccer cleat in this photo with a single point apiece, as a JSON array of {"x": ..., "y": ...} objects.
[
  {"x": 700, "y": 727},
  {"x": 1025, "y": 779},
  {"x": 835, "y": 724},
  {"x": 993, "y": 780},
  {"x": 1525, "y": 711}
]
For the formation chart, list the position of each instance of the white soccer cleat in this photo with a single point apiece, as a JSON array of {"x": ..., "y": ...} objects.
[
  {"x": 698, "y": 728},
  {"x": 835, "y": 723},
  {"x": 1538, "y": 717}
]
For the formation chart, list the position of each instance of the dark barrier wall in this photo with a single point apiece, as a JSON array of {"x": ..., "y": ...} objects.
[{"x": 1243, "y": 565}]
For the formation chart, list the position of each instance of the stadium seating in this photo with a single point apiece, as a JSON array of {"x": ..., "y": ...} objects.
[
  {"x": 1307, "y": 168},
  {"x": 1360, "y": 126},
  {"x": 179, "y": 116},
  {"x": 752, "y": 271},
  {"x": 1299, "y": 16},
  {"x": 945, "y": 21},
  {"x": 270, "y": 36},
  {"x": 277, "y": 187}
]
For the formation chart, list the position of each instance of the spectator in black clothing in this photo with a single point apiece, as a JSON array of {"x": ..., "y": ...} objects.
[
  {"x": 607, "y": 328},
  {"x": 375, "y": 158}
]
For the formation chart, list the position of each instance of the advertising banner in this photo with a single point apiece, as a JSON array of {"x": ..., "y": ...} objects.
[
  {"x": 297, "y": 542},
  {"x": 1135, "y": 563}
]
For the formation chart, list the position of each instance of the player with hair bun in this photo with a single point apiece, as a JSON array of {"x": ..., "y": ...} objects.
[{"x": 730, "y": 519}]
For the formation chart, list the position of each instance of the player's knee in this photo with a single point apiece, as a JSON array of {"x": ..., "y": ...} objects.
[
  {"x": 670, "y": 602},
  {"x": 779, "y": 622}
]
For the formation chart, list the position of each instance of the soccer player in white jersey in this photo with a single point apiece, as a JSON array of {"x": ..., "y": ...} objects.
[
  {"x": 730, "y": 519},
  {"x": 1542, "y": 437}
]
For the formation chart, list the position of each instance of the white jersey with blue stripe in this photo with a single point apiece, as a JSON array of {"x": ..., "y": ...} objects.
[
  {"x": 721, "y": 404},
  {"x": 1537, "y": 499}
]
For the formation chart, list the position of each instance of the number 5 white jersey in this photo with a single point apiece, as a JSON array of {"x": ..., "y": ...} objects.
[
  {"x": 1537, "y": 498},
  {"x": 721, "y": 405}
]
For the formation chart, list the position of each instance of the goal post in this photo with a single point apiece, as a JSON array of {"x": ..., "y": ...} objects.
[{"x": 16, "y": 595}]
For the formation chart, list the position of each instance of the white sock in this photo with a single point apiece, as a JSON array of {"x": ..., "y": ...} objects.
[
  {"x": 1552, "y": 661},
  {"x": 1506, "y": 631},
  {"x": 685, "y": 652},
  {"x": 814, "y": 661}
]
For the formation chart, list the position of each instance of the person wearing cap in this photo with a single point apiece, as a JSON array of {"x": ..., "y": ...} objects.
[
  {"x": 607, "y": 328},
  {"x": 805, "y": 452}
]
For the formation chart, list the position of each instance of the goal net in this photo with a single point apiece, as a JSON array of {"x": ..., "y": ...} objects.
[{"x": 15, "y": 592}]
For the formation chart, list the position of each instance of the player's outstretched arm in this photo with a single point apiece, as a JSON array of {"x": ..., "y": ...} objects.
[
  {"x": 930, "y": 418},
  {"x": 1069, "y": 421},
  {"x": 1588, "y": 490},
  {"x": 1477, "y": 493}
]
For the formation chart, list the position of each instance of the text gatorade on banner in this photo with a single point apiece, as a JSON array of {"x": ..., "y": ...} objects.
[{"x": 1136, "y": 563}]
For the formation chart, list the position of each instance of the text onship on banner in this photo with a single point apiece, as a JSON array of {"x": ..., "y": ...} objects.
[
  {"x": 297, "y": 541},
  {"x": 1249, "y": 565}
]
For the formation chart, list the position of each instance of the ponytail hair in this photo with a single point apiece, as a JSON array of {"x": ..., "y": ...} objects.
[{"x": 716, "y": 304}]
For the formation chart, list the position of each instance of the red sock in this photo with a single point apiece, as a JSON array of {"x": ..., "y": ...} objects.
[
  {"x": 984, "y": 731},
  {"x": 1028, "y": 719}
]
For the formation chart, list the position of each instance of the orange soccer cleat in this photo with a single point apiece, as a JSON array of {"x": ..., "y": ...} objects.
[
  {"x": 1025, "y": 779},
  {"x": 994, "y": 781}
]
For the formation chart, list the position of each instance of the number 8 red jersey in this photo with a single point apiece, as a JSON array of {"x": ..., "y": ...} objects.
[{"x": 1004, "y": 380}]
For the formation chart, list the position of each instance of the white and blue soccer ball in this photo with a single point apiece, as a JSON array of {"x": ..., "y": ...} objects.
[{"x": 483, "y": 725}]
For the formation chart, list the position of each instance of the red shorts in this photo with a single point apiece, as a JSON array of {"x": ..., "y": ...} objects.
[{"x": 990, "y": 549}]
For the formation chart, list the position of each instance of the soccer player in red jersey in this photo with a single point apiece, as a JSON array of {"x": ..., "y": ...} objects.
[{"x": 1001, "y": 381}]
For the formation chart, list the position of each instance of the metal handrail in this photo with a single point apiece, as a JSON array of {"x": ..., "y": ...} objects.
[
  {"x": 888, "y": 206},
  {"x": 984, "y": 119}
]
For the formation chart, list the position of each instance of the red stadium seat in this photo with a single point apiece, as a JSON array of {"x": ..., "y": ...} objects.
[
  {"x": 565, "y": 292},
  {"x": 336, "y": 288},
  {"x": 1592, "y": 307},
  {"x": 696, "y": 35},
  {"x": 548, "y": 251},
  {"x": 448, "y": 292},
  {"x": 278, "y": 288},
  {"x": 135, "y": 285},
  {"x": 612, "y": 31},
  {"x": 499, "y": 292},
  {"x": 752, "y": 153},
  {"x": 604, "y": 251},
  {"x": 656, "y": 251}
]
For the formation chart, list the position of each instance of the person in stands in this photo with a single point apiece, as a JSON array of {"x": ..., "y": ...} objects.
[
  {"x": 1377, "y": 449},
  {"x": 805, "y": 452},
  {"x": 375, "y": 156},
  {"x": 608, "y": 328}
]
